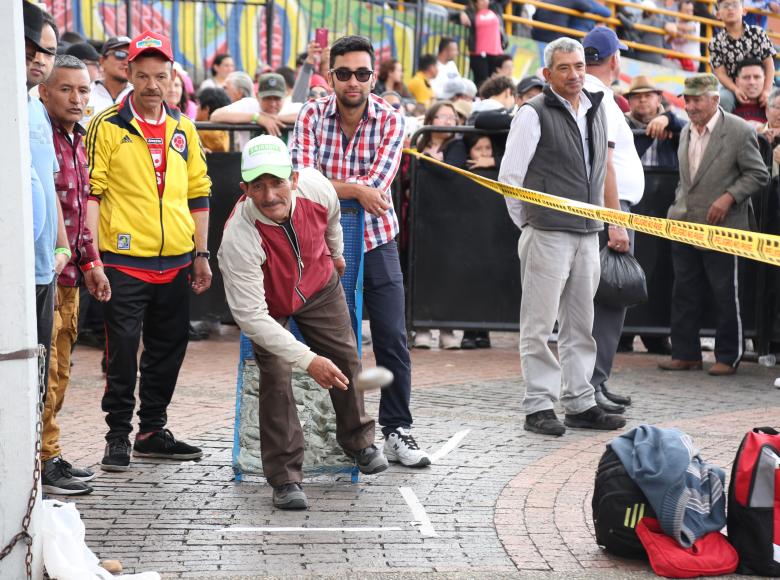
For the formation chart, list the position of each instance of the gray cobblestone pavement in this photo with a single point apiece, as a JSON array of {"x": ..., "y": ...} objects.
[{"x": 488, "y": 520}]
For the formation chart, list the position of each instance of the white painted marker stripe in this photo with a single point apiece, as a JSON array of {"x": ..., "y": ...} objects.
[
  {"x": 283, "y": 529},
  {"x": 418, "y": 512},
  {"x": 450, "y": 445}
]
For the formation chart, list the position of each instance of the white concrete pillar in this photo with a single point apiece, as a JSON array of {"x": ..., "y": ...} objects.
[{"x": 18, "y": 378}]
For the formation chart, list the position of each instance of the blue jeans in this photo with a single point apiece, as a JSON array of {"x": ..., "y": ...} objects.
[{"x": 383, "y": 295}]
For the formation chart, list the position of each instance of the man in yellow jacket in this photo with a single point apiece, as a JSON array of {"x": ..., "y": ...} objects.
[{"x": 149, "y": 200}]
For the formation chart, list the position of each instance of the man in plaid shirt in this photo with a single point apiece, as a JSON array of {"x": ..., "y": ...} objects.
[{"x": 354, "y": 138}]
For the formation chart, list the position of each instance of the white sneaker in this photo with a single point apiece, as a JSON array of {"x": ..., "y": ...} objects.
[
  {"x": 422, "y": 339},
  {"x": 448, "y": 341},
  {"x": 400, "y": 447}
]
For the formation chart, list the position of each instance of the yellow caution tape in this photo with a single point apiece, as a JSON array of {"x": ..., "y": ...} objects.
[{"x": 756, "y": 246}]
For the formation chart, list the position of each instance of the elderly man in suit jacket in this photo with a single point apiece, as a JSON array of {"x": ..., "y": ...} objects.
[{"x": 720, "y": 169}]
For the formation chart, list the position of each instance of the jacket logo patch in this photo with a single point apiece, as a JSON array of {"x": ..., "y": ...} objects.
[
  {"x": 126, "y": 139},
  {"x": 179, "y": 142},
  {"x": 123, "y": 242}
]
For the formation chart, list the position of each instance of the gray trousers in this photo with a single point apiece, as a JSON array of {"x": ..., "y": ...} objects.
[
  {"x": 608, "y": 322},
  {"x": 559, "y": 272}
]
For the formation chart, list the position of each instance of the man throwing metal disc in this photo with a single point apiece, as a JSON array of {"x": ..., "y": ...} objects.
[{"x": 281, "y": 257}]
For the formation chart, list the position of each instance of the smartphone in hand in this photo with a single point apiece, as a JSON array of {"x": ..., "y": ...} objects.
[{"x": 321, "y": 37}]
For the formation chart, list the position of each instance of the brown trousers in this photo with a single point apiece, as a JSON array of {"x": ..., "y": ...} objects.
[
  {"x": 66, "y": 318},
  {"x": 325, "y": 324}
]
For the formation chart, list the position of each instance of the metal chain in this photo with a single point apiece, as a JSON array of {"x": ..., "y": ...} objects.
[{"x": 24, "y": 535}]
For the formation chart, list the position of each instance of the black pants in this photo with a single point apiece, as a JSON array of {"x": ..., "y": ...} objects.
[
  {"x": 44, "y": 316},
  {"x": 483, "y": 66},
  {"x": 162, "y": 311},
  {"x": 696, "y": 274}
]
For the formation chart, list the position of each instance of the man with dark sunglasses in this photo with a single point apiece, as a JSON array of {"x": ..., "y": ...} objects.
[
  {"x": 355, "y": 138},
  {"x": 114, "y": 86}
]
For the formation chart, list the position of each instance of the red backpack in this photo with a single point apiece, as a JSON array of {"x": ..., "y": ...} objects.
[{"x": 754, "y": 503}]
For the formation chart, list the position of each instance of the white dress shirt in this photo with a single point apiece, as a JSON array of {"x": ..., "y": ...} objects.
[
  {"x": 628, "y": 166},
  {"x": 521, "y": 143}
]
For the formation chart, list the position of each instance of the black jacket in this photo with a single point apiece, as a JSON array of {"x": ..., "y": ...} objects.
[{"x": 667, "y": 149}]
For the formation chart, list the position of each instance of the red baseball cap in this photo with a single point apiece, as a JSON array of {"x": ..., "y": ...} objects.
[{"x": 149, "y": 41}]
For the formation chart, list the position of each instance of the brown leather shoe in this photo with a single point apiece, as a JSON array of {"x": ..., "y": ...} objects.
[
  {"x": 720, "y": 369},
  {"x": 680, "y": 365}
]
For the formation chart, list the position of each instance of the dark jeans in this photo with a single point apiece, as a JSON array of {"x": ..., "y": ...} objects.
[
  {"x": 483, "y": 66},
  {"x": 696, "y": 274},
  {"x": 162, "y": 311},
  {"x": 325, "y": 324},
  {"x": 383, "y": 294},
  {"x": 44, "y": 315}
]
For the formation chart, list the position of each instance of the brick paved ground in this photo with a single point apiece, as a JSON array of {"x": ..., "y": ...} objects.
[{"x": 504, "y": 503}]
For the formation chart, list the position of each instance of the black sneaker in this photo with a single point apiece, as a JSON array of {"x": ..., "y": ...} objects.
[
  {"x": 594, "y": 418},
  {"x": 371, "y": 460},
  {"x": 77, "y": 472},
  {"x": 164, "y": 445},
  {"x": 290, "y": 496},
  {"x": 545, "y": 423},
  {"x": 117, "y": 456},
  {"x": 56, "y": 479}
]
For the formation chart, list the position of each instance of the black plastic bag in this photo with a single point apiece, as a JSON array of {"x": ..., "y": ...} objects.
[{"x": 622, "y": 281}]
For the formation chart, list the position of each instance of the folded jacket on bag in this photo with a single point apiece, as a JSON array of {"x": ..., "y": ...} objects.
[
  {"x": 686, "y": 493},
  {"x": 710, "y": 555}
]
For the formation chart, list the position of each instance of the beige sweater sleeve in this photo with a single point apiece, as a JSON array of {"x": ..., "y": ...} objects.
[{"x": 240, "y": 260}]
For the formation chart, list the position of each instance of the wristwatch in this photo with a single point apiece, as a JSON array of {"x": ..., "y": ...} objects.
[{"x": 205, "y": 254}]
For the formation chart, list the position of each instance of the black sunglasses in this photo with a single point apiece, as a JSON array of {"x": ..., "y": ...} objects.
[
  {"x": 344, "y": 74},
  {"x": 119, "y": 54}
]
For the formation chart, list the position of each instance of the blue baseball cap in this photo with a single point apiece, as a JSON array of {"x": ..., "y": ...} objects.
[{"x": 601, "y": 43}]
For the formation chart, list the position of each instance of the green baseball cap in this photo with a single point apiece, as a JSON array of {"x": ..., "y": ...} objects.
[
  {"x": 700, "y": 84},
  {"x": 265, "y": 154}
]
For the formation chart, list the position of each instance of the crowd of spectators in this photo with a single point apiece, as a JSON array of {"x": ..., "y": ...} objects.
[{"x": 440, "y": 93}]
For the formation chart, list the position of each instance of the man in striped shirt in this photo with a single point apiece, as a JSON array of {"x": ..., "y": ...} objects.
[{"x": 354, "y": 138}]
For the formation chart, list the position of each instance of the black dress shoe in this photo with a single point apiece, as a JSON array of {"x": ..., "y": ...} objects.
[
  {"x": 657, "y": 344},
  {"x": 614, "y": 397},
  {"x": 606, "y": 405}
]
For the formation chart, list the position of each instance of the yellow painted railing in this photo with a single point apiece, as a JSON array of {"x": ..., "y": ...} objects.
[{"x": 708, "y": 24}]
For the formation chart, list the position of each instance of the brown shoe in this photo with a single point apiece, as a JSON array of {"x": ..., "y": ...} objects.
[
  {"x": 720, "y": 369},
  {"x": 680, "y": 365}
]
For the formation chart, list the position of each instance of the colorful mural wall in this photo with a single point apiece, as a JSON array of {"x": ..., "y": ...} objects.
[{"x": 200, "y": 29}]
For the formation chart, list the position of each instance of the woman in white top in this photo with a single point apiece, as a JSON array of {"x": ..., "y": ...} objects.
[{"x": 222, "y": 66}]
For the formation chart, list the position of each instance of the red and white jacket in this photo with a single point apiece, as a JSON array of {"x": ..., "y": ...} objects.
[{"x": 265, "y": 276}]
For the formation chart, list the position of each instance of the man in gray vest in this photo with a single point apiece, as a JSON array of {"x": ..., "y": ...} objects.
[{"x": 558, "y": 144}]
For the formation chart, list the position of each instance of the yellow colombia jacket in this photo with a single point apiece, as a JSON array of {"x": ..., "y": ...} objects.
[{"x": 138, "y": 228}]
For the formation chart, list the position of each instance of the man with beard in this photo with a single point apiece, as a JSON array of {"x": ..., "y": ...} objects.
[
  {"x": 354, "y": 138},
  {"x": 144, "y": 217},
  {"x": 114, "y": 86}
]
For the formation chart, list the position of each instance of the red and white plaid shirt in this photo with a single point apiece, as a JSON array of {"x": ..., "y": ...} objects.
[{"x": 370, "y": 158}]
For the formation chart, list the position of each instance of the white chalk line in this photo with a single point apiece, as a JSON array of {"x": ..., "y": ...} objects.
[
  {"x": 302, "y": 529},
  {"x": 418, "y": 512},
  {"x": 449, "y": 445}
]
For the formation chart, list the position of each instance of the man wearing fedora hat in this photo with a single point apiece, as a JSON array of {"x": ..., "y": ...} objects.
[
  {"x": 720, "y": 169},
  {"x": 658, "y": 146}
]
